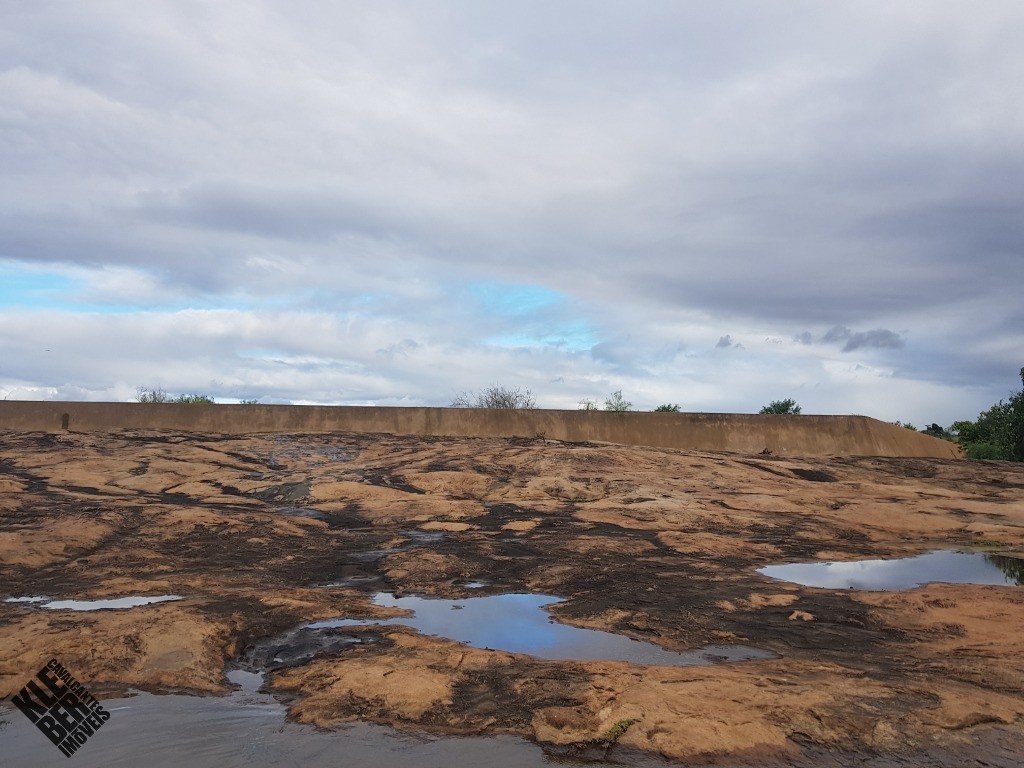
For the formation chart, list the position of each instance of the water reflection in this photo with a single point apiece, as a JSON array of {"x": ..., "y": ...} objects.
[
  {"x": 248, "y": 730},
  {"x": 518, "y": 623},
  {"x": 115, "y": 603},
  {"x": 905, "y": 573}
]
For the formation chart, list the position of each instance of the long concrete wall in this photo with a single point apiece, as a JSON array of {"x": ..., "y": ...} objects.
[{"x": 741, "y": 433}]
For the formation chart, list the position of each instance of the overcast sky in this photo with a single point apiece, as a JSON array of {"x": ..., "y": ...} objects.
[{"x": 708, "y": 203}]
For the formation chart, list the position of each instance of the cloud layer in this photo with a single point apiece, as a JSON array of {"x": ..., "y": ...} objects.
[{"x": 391, "y": 203}]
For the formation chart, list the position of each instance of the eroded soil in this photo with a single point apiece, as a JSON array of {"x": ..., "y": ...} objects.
[{"x": 660, "y": 545}]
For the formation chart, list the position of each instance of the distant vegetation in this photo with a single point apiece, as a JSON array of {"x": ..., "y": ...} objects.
[
  {"x": 787, "y": 407},
  {"x": 616, "y": 402},
  {"x": 511, "y": 398},
  {"x": 158, "y": 395},
  {"x": 668, "y": 408},
  {"x": 905, "y": 425},
  {"x": 998, "y": 433}
]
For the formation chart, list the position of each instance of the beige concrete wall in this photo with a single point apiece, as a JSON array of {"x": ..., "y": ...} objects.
[{"x": 743, "y": 433}]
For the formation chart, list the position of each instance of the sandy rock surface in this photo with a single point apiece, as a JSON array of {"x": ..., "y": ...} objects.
[{"x": 260, "y": 534}]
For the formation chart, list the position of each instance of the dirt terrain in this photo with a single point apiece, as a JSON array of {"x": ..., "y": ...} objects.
[{"x": 260, "y": 534}]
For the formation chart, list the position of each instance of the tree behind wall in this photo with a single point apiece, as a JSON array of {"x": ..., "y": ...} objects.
[
  {"x": 787, "y": 407},
  {"x": 511, "y": 398},
  {"x": 998, "y": 433}
]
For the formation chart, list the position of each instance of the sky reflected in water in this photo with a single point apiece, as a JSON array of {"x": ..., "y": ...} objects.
[{"x": 904, "y": 573}]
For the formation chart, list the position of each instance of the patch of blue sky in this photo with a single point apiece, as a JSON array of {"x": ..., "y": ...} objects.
[
  {"x": 33, "y": 287},
  {"x": 49, "y": 287},
  {"x": 513, "y": 299},
  {"x": 574, "y": 336}
]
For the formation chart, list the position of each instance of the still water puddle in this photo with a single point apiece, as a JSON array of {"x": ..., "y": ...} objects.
[
  {"x": 94, "y": 605},
  {"x": 905, "y": 573},
  {"x": 518, "y": 623},
  {"x": 245, "y": 730}
]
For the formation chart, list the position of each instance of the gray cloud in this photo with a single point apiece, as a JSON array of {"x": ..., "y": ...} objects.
[
  {"x": 724, "y": 342},
  {"x": 879, "y": 338},
  {"x": 669, "y": 172}
]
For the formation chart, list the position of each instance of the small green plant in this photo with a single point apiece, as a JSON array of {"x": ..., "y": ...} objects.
[
  {"x": 616, "y": 402},
  {"x": 248, "y": 402},
  {"x": 905, "y": 425},
  {"x": 787, "y": 407},
  {"x": 616, "y": 731},
  {"x": 668, "y": 408}
]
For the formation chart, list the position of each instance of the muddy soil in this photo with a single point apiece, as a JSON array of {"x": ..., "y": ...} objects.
[{"x": 261, "y": 534}]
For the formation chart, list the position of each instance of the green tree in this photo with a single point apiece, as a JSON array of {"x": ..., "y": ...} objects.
[
  {"x": 935, "y": 430},
  {"x": 616, "y": 402},
  {"x": 586, "y": 404},
  {"x": 668, "y": 408},
  {"x": 998, "y": 433},
  {"x": 787, "y": 407}
]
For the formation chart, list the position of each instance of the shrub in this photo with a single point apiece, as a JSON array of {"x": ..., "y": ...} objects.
[
  {"x": 586, "y": 404},
  {"x": 667, "y": 408},
  {"x": 194, "y": 399},
  {"x": 998, "y": 432},
  {"x": 157, "y": 395},
  {"x": 787, "y": 407},
  {"x": 616, "y": 402},
  {"x": 496, "y": 397}
]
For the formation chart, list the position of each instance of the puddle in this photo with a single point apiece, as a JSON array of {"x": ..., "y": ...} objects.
[
  {"x": 905, "y": 573},
  {"x": 301, "y": 512},
  {"x": 250, "y": 682},
  {"x": 518, "y": 623},
  {"x": 248, "y": 729},
  {"x": 352, "y": 581},
  {"x": 94, "y": 605}
]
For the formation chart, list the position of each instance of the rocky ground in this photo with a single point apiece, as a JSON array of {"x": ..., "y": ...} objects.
[{"x": 659, "y": 545}]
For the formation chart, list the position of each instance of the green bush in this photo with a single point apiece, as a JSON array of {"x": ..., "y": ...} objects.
[
  {"x": 787, "y": 407},
  {"x": 667, "y": 408},
  {"x": 984, "y": 451},
  {"x": 158, "y": 395},
  {"x": 998, "y": 432},
  {"x": 194, "y": 399}
]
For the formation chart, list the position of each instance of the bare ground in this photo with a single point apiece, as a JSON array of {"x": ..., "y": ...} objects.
[{"x": 660, "y": 545}]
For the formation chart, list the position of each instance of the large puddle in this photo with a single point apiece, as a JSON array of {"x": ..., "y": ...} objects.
[
  {"x": 248, "y": 730},
  {"x": 905, "y": 573},
  {"x": 518, "y": 623},
  {"x": 115, "y": 603}
]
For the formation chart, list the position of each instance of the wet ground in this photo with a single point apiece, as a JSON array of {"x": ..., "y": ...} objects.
[{"x": 263, "y": 536}]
